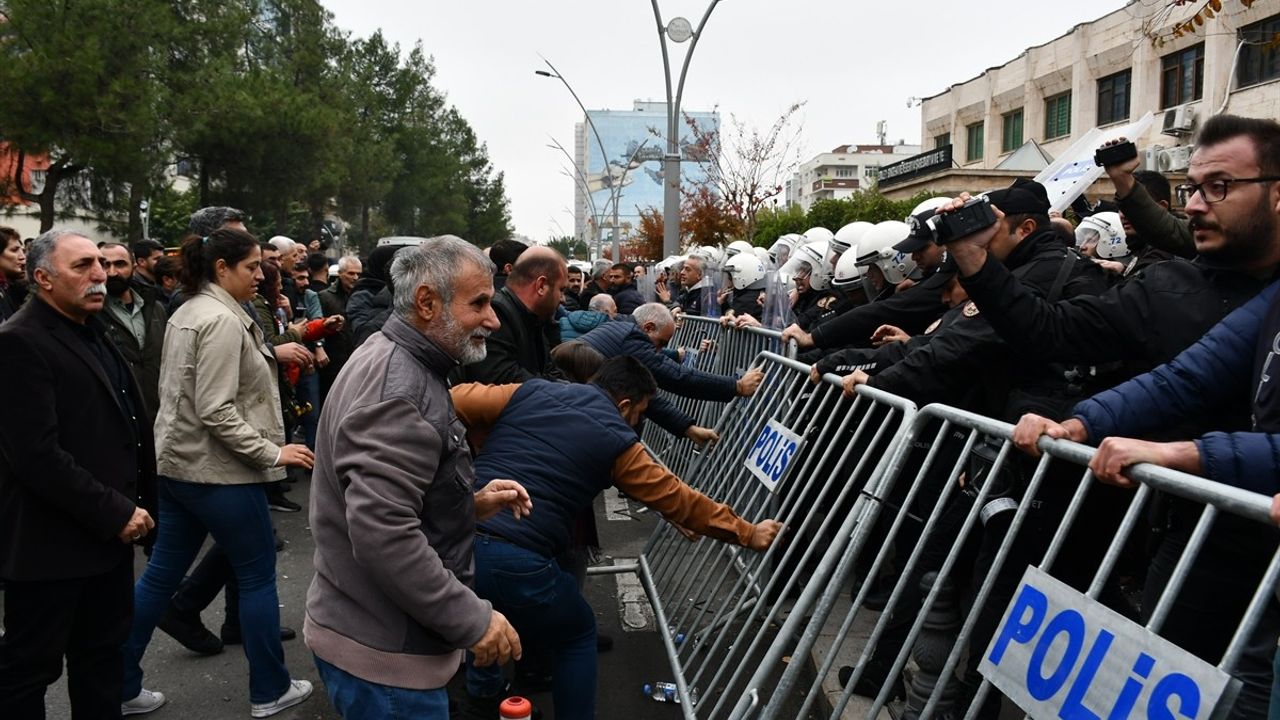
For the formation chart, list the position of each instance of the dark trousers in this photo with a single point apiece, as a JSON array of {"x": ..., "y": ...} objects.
[
  {"x": 199, "y": 589},
  {"x": 84, "y": 619}
]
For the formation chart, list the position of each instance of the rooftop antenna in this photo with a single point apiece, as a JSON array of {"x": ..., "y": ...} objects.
[{"x": 882, "y": 130}]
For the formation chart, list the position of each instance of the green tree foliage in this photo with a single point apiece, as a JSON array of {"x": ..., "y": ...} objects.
[
  {"x": 570, "y": 247},
  {"x": 773, "y": 222},
  {"x": 280, "y": 113}
]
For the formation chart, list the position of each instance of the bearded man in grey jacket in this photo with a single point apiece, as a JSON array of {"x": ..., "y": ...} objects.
[{"x": 391, "y": 609}]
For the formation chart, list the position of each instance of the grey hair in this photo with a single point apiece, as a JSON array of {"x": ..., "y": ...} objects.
[
  {"x": 435, "y": 263},
  {"x": 345, "y": 261},
  {"x": 654, "y": 312},
  {"x": 39, "y": 255},
  {"x": 602, "y": 302},
  {"x": 205, "y": 220},
  {"x": 282, "y": 243}
]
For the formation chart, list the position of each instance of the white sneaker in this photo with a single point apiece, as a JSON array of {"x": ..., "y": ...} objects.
[
  {"x": 298, "y": 691},
  {"x": 147, "y": 701}
]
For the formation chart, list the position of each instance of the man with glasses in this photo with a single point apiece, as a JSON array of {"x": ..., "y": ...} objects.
[{"x": 1233, "y": 200}]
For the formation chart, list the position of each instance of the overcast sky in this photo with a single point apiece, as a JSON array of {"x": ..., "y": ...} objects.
[{"x": 853, "y": 63}]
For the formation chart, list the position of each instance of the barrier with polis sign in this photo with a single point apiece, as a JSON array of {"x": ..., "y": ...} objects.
[{"x": 796, "y": 452}]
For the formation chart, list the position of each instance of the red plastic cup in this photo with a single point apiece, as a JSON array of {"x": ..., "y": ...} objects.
[{"x": 515, "y": 708}]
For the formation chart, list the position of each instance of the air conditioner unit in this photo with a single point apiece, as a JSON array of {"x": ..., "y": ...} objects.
[
  {"x": 1179, "y": 121},
  {"x": 1175, "y": 159},
  {"x": 1151, "y": 157}
]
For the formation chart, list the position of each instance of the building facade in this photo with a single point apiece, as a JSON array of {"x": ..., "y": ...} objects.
[
  {"x": 842, "y": 172},
  {"x": 1181, "y": 62},
  {"x": 631, "y": 165}
]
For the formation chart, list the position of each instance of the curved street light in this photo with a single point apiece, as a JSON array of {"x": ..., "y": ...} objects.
[{"x": 678, "y": 31}]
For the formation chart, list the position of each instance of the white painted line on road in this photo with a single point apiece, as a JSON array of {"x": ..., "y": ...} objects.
[
  {"x": 616, "y": 508},
  {"x": 633, "y": 607}
]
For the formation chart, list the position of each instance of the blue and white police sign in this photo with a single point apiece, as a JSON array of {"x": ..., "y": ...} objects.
[
  {"x": 1058, "y": 654},
  {"x": 773, "y": 452}
]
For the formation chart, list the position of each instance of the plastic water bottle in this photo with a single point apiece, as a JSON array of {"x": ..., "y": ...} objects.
[
  {"x": 666, "y": 692},
  {"x": 676, "y": 636},
  {"x": 515, "y": 708}
]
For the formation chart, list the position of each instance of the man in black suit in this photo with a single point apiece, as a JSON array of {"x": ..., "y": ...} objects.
[{"x": 77, "y": 467}]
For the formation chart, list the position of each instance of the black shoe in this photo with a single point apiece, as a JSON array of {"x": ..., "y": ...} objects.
[
  {"x": 280, "y": 503},
  {"x": 190, "y": 632},
  {"x": 231, "y": 634},
  {"x": 604, "y": 643},
  {"x": 872, "y": 680}
]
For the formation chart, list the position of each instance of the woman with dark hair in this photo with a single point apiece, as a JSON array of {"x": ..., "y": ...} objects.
[
  {"x": 219, "y": 440},
  {"x": 13, "y": 268},
  {"x": 577, "y": 360}
]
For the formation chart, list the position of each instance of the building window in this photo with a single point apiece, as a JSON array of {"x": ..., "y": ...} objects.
[
  {"x": 1260, "y": 56},
  {"x": 1011, "y": 135},
  {"x": 1182, "y": 76},
  {"x": 942, "y": 140},
  {"x": 1057, "y": 116},
  {"x": 871, "y": 171},
  {"x": 847, "y": 172},
  {"x": 973, "y": 141},
  {"x": 1113, "y": 97}
]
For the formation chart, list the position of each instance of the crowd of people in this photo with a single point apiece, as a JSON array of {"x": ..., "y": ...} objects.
[{"x": 456, "y": 412}]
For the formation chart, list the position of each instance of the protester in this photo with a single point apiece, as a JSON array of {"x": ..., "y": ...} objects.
[
  {"x": 520, "y": 348},
  {"x": 333, "y": 302},
  {"x": 392, "y": 508},
  {"x": 504, "y": 254},
  {"x": 693, "y": 279},
  {"x": 370, "y": 303},
  {"x": 134, "y": 323},
  {"x": 77, "y": 472},
  {"x": 622, "y": 287},
  {"x": 220, "y": 438},
  {"x": 13, "y": 272},
  {"x": 573, "y": 290},
  {"x": 564, "y": 466},
  {"x": 167, "y": 279},
  {"x": 577, "y": 323},
  {"x": 146, "y": 253}
]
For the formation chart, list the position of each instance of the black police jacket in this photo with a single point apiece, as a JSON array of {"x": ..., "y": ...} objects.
[
  {"x": 967, "y": 363},
  {"x": 819, "y": 306},
  {"x": 913, "y": 310}
]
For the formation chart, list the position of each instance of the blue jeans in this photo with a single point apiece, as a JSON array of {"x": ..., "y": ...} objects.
[
  {"x": 357, "y": 699},
  {"x": 238, "y": 519},
  {"x": 543, "y": 603}
]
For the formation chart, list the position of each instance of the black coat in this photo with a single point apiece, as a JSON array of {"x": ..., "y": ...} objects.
[
  {"x": 144, "y": 361},
  {"x": 368, "y": 308},
  {"x": 73, "y": 464},
  {"x": 913, "y": 310},
  {"x": 518, "y": 350},
  {"x": 819, "y": 306},
  {"x": 968, "y": 364},
  {"x": 340, "y": 345},
  {"x": 627, "y": 298}
]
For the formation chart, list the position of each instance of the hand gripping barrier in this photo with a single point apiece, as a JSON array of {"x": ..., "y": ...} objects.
[
  {"x": 720, "y": 603},
  {"x": 950, "y": 558},
  {"x": 731, "y": 352}
]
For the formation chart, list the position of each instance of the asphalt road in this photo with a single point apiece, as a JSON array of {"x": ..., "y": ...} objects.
[{"x": 206, "y": 688}]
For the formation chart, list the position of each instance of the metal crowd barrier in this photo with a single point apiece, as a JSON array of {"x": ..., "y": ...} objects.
[
  {"x": 778, "y": 453},
  {"x": 912, "y": 535},
  {"x": 730, "y": 352}
]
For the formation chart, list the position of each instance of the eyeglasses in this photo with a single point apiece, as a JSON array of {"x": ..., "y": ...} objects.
[{"x": 1212, "y": 191}]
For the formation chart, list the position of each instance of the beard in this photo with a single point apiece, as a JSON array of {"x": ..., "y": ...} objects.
[
  {"x": 117, "y": 285},
  {"x": 457, "y": 341},
  {"x": 1243, "y": 244}
]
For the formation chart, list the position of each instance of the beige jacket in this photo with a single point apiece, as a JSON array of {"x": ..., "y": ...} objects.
[{"x": 219, "y": 420}]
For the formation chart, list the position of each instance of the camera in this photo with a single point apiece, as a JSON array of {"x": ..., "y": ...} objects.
[
  {"x": 1115, "y": 154},
  {"x": 975, "y": 215}
]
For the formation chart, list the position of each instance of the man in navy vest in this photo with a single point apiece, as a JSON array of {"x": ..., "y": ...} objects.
[{"x": 584, "y": 442}]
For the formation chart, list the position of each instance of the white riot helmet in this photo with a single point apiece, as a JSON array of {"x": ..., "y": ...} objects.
[
  {"x": 737, "y": 246},
  {"x": 847, "y": 236},
  {"x": 712, "y": 256},
  {"x": 815, "y": 234},
  {"x": 784, "y": 247},
  {"x": 848, "y": 271},
  {"x": 744, "y": 270},
  {"x": 1102, "y": 229},
  {"x": 763, "y": 255},
  {"x": 811, "y": 256},
  {"x": 930, "y": 204},
  {"x": 876, "y": 248}
]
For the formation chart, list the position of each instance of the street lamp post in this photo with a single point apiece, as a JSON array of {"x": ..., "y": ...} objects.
[
  {"x": 604, "y": 157},
  {"x": 581, "y": 181},
  {"x": 678, "y": 30}
]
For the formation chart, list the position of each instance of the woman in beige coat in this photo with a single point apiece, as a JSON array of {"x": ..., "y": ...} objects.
[{"x": 219, "y": 439}]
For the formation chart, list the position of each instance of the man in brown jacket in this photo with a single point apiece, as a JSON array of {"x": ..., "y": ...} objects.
[{"x": 393, "y": 512}]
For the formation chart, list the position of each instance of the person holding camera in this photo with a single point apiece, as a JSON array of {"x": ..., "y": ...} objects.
[{"x": 1154, "y": 233}]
